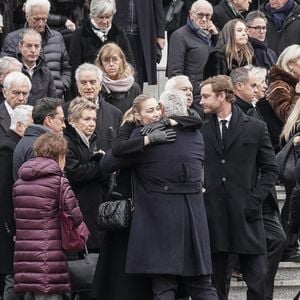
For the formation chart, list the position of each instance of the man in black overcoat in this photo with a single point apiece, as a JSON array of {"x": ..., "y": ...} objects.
[
  {"x": 245, "y": 89},
  {"x": 239, "y": 172},
  {"x": 21, "y": 118}
]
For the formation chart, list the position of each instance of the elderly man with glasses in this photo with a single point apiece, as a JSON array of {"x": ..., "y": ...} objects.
[
  {"x": 257, "y": 29},
  {"x": 190, "y": 46}
]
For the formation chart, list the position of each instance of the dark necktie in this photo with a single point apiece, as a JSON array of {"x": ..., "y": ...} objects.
[{"x": 224, "y": 132}]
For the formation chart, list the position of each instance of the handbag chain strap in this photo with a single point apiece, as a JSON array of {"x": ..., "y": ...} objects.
[{"x": 60, "y": 200}]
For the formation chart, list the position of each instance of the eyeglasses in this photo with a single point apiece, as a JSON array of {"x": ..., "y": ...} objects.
[
  {"x": 200, "y": 16},
  {"x": 108, "y": 60},
  {"x": 38, "y": 19},
  {"x": 29, "y": 46},
  {"x": 91, "y": 82},
  {"x": 258, "y": 28}
]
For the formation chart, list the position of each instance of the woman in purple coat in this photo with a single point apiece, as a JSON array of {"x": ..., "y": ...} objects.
[{"x": 40, "y": 262}]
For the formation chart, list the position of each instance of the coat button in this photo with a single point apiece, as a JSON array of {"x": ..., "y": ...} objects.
[
  {"x": 223, "y": 179},
  {"x": 166, "y": 187},
  {"x": 223, "y": 161}
]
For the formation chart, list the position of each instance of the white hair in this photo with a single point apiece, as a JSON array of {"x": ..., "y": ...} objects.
[
  {"x": 16, "y": 78},
  {"x": 88, "y": 67},
  {"x": 21, "y": 114},
  {"x": 102, "y": 7},
  {"x": 6, "y": 62},
  {"x": 174, "y": 104},
  {"x": 173, "y": 81},
  {"x": 29, "y": 4},
  {"x": 198, "y": 3}
]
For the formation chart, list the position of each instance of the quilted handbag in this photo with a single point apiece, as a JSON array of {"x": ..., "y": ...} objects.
[
  {"x": 115, "y": 215},
  {"x": 173, "y": 15},
  {"x": 286, "y": 160}
]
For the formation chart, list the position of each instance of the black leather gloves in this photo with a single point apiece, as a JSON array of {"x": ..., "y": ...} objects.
[
  {"x": 159, "y": 136},
  {"x": 162, "y": 124}
]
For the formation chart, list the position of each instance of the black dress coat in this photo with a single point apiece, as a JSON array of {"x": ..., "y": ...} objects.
[
  {"x": 234, "y": 193},
  {"x": 265, "y": 57},
  {"x": 4, "y": 120},
  {"x": 222, "y": 14},
  {"x": 121, "y": 100},
  {"x": 168, "y": 233},
  {"x": 85, "y": 44},
  {"x": 278, "y": 40},
  {"x": 150, "y": 18},
  {"x": 86, "y": 179},
  {"x": 7, "y": 223}
]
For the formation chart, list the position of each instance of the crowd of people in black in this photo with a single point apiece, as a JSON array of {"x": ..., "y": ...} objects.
[{"x": 199, "y": 162}]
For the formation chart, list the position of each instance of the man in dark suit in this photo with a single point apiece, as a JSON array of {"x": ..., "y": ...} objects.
[
  {"x": 245, "y": 88},
  {"x": 21, "y": 118},
  {"x": 89, "y": 82},
  {"x": 239, "y": 172},
  {"x": 16, "y": 88}
]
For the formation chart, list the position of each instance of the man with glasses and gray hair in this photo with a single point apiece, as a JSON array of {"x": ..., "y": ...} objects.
[{"x": 256, "y": 23}]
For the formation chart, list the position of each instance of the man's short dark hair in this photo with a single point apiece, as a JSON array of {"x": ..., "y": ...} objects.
[
  {"x": 45, "y": 107},
  {"x": 255, "y": 14}
]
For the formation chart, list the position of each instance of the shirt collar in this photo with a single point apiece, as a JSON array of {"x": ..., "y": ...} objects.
[{"x": 9, "y": 108}]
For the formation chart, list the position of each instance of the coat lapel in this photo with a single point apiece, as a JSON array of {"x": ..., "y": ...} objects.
[
  {"x": 4, "y": 117},
  {"x": 213, "y": 134},
  {"x": 236, "y": 125}
]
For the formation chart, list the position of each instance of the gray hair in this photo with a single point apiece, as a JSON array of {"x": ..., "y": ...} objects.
[
  {"x": 173, "y": 81},
  {"x": 6, "y": 62},
  {"x": 288, "y": 55},
  {"x": 239, "y": 75},
  {"x": 102, "y": 7},
  {"x": 21, "y": 114},
  {"x": 29, "y": 4},
  {"x": 259, "y": 72},
  {"x": 200, "y": 2},
  {"x": 174, "y": 104},
  {"x": 88, "y": 67},
  {"x": 16, "y": 78},
  {"x": 256, "y": 14},
  {"x": 29, "y": 31}
]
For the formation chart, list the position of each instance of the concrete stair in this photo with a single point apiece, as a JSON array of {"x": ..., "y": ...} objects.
[{"x": 287, "y": 282}]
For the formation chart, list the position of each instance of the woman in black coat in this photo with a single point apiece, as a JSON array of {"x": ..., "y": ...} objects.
[
  {"x": 119, "y": 87},
  {"x": 96, "y": 30},
  {"x": 82, "y": 164},
  {"x": 232, "y": 50}
]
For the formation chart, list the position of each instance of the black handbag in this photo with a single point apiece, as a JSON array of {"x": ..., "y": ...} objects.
[
  {"x": 173, "y": 15},
  {"x": 82, "y": 271},
  {"x": 286, "y": 160},
  {"x": 115, "y": 212},
  {"x": 115, "y": 215}
]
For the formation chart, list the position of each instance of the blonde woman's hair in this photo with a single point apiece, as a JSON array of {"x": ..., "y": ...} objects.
[
  {"x": 227, "y": 39},
  {"x": 77, "y": 106},
  {"x": 130, "y": 114},
  {"x": 107, "y": 51},
  {"x": 288, "y": 55},
  {"x": 292, "y": 122}
]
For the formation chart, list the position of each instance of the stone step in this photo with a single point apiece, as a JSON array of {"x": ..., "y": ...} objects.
[
  {"x": 284, "y": 290},
  {"x": 287, "y": 283}
]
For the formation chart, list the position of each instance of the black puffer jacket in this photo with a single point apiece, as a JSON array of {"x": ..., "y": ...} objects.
[
  {"x": 53, "y": 52},
  {"x": 279, "y": 40}
]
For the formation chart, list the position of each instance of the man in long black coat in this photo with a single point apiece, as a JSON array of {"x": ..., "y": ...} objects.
[
  {"x": 234, "y": 154},
  {"x": 143, "y": 21},
  {"x": 169, "y": 235},
  {"x": 20, "y": 120}
]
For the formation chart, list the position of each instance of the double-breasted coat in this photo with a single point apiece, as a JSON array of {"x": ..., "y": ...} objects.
[
  {"x": 234, "y": 191},
  {"x": 169, "y": 233}
]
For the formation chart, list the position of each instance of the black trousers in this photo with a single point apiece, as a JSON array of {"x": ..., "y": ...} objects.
[
  {"x": 253, "y": 268},
  {"x": 276, "y": 242},
  {"x": 200, "y": 287}
]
